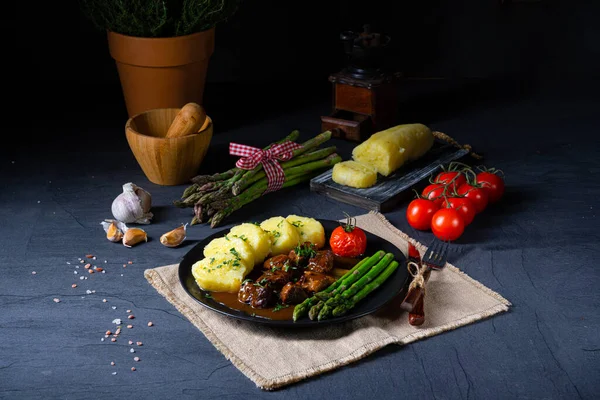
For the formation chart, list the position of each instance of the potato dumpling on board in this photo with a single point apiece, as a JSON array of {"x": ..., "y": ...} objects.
[
  {"x": 354, "y": 174},
  {"x": 234, "y": 246},
  {"x": 284, "y": 236},
  {"x": 388, "y": 150},
  {"x": 309, "y": 229},
  {"x": 221, "y": 272},
  {"x": 256, "y": 237}
]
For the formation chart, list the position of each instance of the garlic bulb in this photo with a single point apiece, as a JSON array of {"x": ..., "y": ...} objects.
[{"x": 133, "y": 205}]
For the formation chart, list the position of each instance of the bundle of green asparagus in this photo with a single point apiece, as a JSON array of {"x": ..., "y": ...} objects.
[
  {"x": 341, "y": 296},
  {"x": 214, "y": 197}
]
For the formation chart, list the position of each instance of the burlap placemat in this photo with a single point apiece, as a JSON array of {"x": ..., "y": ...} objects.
[{"x": 453, "y": 300}]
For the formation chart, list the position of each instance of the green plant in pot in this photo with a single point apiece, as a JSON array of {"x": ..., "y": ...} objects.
[{"x": 161, "y": 47}]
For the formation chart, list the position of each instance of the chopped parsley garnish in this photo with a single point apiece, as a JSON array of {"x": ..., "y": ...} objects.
[
  {"x": 253, "y": 315},
  {"x": 226, "y": 238},
  {"x": 256, "y": 223},
  {"x": 279, "y": 224},
  {"x": 263, "y": 281},
  {"x": 212, "y": 260},
  {"x": 273, "y": 269},
  {"x": 297, "y": 224},
  {"x": 280, "y": 307},
  {"x": 235, "y": 253},
  {"x": 304, "y": 250},
  {"x": 286, "y": 267},
  {"x": 243, "y": 237},
  {"x": 276, "y": 235},
  {"x": 208, "y": 295},
  {"x": 246, "y": 280}
]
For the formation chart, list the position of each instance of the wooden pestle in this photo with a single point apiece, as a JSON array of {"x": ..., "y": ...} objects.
[{"x": 188, "y": 120}]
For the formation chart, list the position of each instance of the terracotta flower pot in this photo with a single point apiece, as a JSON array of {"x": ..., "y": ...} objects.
[{"x": 161, "y": 72}]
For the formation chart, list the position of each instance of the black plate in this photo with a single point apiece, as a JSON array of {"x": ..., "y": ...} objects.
[{"x": 387, "y": 291}]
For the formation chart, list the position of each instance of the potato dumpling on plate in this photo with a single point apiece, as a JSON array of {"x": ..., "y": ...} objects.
[
  {"x": 284, "y": 236},
  {"x": 309, "y": 229},
  {"x": 231, "y": 245},
  {"x": 256, "y": 237},
  {"x": 222, "y": 272}
]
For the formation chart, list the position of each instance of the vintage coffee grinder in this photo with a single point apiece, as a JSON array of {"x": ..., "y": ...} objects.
[{"x": 365, "y": 93}]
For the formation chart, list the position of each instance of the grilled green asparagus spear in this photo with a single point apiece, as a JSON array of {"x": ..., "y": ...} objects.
[
  {"x": 303, "y": 308},
  {"x": 345, "y": 307},
  {"x": 327, "y": 309}
]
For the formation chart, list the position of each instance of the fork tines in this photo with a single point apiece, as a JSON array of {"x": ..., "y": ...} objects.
[{"x": 437, "y": 254}]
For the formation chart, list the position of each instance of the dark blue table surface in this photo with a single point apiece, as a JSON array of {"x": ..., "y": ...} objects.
[{"x": 538, "y": 248}]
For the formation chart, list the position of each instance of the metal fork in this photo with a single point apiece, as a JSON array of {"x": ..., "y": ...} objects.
[{"x": 435, "y": 258}]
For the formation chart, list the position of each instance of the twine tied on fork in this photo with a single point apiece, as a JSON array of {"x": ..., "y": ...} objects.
[{"x": 418, "y": 273}]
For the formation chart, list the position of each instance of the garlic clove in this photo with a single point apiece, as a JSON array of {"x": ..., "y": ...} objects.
[
  {"x": 134, "y": 236},
  {"x": 133, "y": 205},
  {"x": 114, "y": 229},
  {"x": 175, "y": 237}
]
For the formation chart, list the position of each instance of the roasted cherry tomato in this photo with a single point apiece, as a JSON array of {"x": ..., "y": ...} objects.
[
  {"x": 434, "y": 192},
  {"x": 452, "y": 178},
  {"x": 477, "y": 194},
  {"x": 419, "y": 213},
  {"x": 464, "y": 206},
  {"x": 493, "y": 185},
  {"x": 348, "y": 240},
  {"x": 447, "y": 224}
]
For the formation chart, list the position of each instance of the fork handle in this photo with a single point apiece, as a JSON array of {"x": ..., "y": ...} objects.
[
  {"x": 415, "y": 293},
  {"x": 417, "y": 315}
]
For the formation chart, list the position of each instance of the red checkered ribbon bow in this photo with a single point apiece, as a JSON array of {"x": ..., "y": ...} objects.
[{"x": 252, "y": 156}]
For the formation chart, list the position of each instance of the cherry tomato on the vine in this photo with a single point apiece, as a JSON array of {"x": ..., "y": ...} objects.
[
  {"x": 477, "y": 194},
  {"x": 348, "y": 240},
  {"x": 447, "y": 224},
  {"x": 434, "y": 192},
  {"x": 419, "y": 213},
  {"x": 453, "y": 178},
  {"x": 464, "y": 206},
  {"x": 493, "y": 185}
]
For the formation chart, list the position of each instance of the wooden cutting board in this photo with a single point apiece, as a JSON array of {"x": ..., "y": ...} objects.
[{"x": 391, "y": 190}]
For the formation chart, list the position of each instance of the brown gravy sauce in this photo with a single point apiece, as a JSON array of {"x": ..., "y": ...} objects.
[{"x": 231, "y": 299}]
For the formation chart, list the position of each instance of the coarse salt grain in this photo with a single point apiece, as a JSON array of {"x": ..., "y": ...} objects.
[
  {"x": 108, "y": 333},
  {"x": 91, "y": 271},
  {"x": 130, "y": 342},
  {"x": 88, "y": 291},
  {"x": 89, "y": 256},
  {"x": 131, "y": 350},
  {"x": 93, "y": 258},
  {"x": 130, "y": 262},
  {"x": 103, "y": 272},
  {"x": 81, "y": 277},
  {"x": 75, "y": 272},
  {"x": 56, "y": 300},
  {"x": 133, "y": 368},
  {"x": 74, "y": 285},
  {"x": 87, "y": 266},
  {"x": 85, "y": 277},
  {"x": 129, "y": 326},
  {"x": 102, "y": 339},
  {"x": 150, "y": 323},
  {"x": 112, "y": 363},
  {"x": 105, "y": 261},
  {"x": 128, "y": 311},
  {"x": 68, "y": 263},
  {"x": 114, "y": 307},
  {"x": 136, "y": 359},
  {"x": 113, "y": 340},
  {"x": 131, "y": 316},
  {"x": 104, "y": 300},
  {"x": 139, "y": 343},
  {"x": 114, "y": 373},
  {"x": 117, "y": 321}
]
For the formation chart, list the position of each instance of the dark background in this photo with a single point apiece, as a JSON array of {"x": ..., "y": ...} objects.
[{"x": 273, "y": 56}]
